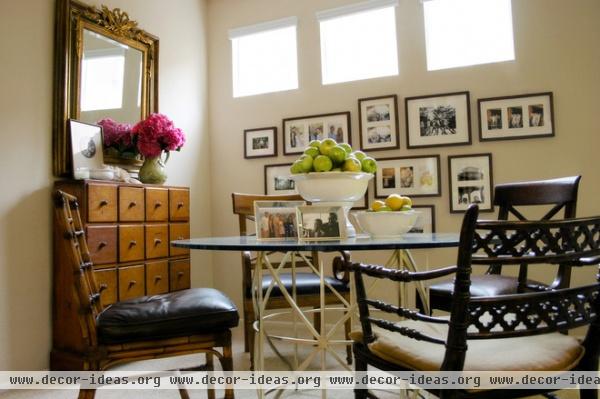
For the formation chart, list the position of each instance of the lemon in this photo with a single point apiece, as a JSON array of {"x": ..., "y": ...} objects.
[
  {"x": 376, "y": 205},
  {"x": 407, "y": 201},
  {"x": 394, "y": 201}
]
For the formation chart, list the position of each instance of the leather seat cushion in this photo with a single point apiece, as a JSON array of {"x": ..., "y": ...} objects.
[
  {"x": 180, "y": 313},
  {"x": 546, "y": 352},
  {"x": 481, "y": 285},
  {"x": 306, "y": 284}
]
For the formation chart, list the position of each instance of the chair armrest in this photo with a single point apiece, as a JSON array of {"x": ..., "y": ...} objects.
[
  {"x": 589, "y": 261},
  {"x": 338, "y": 266}
]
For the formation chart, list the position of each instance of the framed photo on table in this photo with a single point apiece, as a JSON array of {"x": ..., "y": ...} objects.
[
  {"x": 438, "y": 120},
  {"x": 378, "y": 123},
  {"x": 86, "y": 146},
  {"x": 299, "y": 131},
  {"x": 276, "y": 220},
  {"x": 321, "y": 223},
  {"x": 260, "y": 143},
  {"x": 278, "y": 180},
  {"x": 525, "y": 116},
  {"x": 417, "y": 176},
  {"x": 425, "y": 221},
  {"x": 470, "y": 182}
]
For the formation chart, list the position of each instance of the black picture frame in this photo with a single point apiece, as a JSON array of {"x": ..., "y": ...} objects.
[
  {"x": 271, "y": 131},
  {"x": 391, "y": 122},
  {"x": 474, "y": 174},
  {"x": 307, "y": 122}
]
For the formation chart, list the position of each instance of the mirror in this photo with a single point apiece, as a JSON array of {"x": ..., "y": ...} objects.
[{"x": 106, "y": 67}]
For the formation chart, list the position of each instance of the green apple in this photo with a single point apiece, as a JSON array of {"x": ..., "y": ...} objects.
[
  {"x": 315, "y": 143},
  {"x": 359, "y": 155},
  {"x": 346, "y": 147},
  {"x": 312, "y": 151},
  {"x": 384, "y": 209},
  {"x": 351, "y": 165},
  {"x": 322, "y": 163},
  {"x": 326, "y": 146},
  {"x": 406, "y": 208},
  {"x": 369, "y": 165},
  {"x": 337, "y": 155},
  {"x": 307, "y": 163},
  {"x": 296, "y": 167}
]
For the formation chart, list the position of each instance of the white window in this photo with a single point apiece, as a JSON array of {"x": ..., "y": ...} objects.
[
  {"x": 358, "y": 41},
  {"x": 467, "y": 32},
  {"x": 102, "y": 73},
  {"x": 264, "y": 57}
]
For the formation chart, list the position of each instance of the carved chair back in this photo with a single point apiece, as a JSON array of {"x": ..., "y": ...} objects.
[
  {"x": 86, "y": 295},
  {"x": 555, "y": 194},
  {"x": 575, "y": 241}
]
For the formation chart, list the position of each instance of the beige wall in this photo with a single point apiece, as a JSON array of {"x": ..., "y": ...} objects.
[
  {"x": 26, "y": 43},
  {"x": 556, "y": 44}
]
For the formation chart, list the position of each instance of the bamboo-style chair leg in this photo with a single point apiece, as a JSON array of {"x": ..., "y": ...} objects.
[
  {"x": 210, "y": 366},
  {"x": 87, "y": 393},
  {"x": 227, "y": 364}
]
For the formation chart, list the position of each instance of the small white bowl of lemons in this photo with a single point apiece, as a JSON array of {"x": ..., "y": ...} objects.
[{"x": 387, "y": 219}]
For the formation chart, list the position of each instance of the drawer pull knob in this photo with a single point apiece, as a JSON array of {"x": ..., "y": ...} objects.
[
  {"x": 102, "y": 244},
  {"x": 103, "y": 286},
  {"x": 179, "y": 205},
  {"x": 132, "y": 204},
  {"x": 132, "y": 283},
  {"x": 157, "y": 204},
  {"x": 157, "y": 241},
  {"x": 103, "y": 203},
  {"x": 132, "y": 243},
  {"x": 179, "y": 274},
  {"x": 180, "y": 238},
  {"x": 157, "y": 278}
]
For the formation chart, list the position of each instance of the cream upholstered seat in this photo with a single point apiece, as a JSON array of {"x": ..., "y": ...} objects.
[{"x": 548, "y": 352}]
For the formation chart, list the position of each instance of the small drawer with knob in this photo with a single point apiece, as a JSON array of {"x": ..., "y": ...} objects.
[
  {"x": 157, "y": 204},
  {"x": 102, "y": 244},
  {"x": 157, "y": 241},
  {"x": 131, "y": 242},
  {"x": 157, "y": 278},
  {"x": 179, "y": 274},
  {"x": 179, "y": 231},
  {"x": 107, "y": 284},
  {"x": 102, "y": 203},
  {"x": 131, "y": 204},
  {"x": 179, "y": 204},
  {"x": 131, "y": 282}
]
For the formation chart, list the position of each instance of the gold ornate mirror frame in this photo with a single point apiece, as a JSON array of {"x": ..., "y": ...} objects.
[{"x": 72, "y": 17}]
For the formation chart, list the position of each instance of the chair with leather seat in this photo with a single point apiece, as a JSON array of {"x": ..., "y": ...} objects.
[
  {"x": 556, "y": 194},
  {"x": 179, "y": 323},
  {"x": 519, "y": 332},
  {"x": 308, "y": 284}
]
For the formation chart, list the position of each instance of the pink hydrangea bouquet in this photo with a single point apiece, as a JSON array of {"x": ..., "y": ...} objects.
[
  {"x": 118, "y": 139},
  {"x": 157, "y": 134}
]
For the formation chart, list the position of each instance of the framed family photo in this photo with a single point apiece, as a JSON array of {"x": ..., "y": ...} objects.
[
  {"x": 470, "y": 182},
  {"x": 378, "y": 122},
  {"x": 276, "y": 220},
  {"x": 86, "y": 145},
  {"x": 412, "y": 176},
  {"x": 321, "y": 223},
  {"x": 278, "y": 180},
  {"x": 260, "y": 143},
  {"x": 523, "y": 116},
  {"x": 425, "y": 223},
  {"x": 438, "y": 120},
  {"x": 299, "y": 131}
]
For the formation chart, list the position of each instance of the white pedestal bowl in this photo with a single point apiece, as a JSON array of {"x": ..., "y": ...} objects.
[{"x": 334, "y": 189}]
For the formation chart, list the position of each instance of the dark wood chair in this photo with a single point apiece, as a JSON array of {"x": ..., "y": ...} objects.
[
  {"x": 178, "y": 323},
  {"x": 556, "y": 194},
  {"x": 307, "y": 283},
  {"x": 529, "y": 323}
]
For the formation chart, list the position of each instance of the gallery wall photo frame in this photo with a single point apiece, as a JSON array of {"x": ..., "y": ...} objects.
[
  {"x": 87, "y": 150},
  {"x": 417, "y": 176},
  {"x": 378, "y": 123},
  {"x": 260, "y": 142},
  {"x": 278, "y": 180},
  {"x": 523, "y": 116},
  {"x": 470, "y": 179},
  {"x": 438, "y": 120},
  {"x": 299, "y": 131},
  {"x": 425, "y": 221}
]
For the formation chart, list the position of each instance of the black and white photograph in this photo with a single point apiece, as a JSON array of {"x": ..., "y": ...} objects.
[
  {"x": 417, "y": 176},
  {"x": 378, "y": 120},
  {"x": 523, "y": 116},
  {"x": 299, "y": 131},
  {"x": 321, "y": 223},
  {"x": 260, "y": 142},
  {"x": 86, "y": 145},
  {"x": 438, "y": 120},
  {"x": 470, "y": 182},
  {"x": 425, "y": 223},
  {"x": 278, "y": 180},
  {"x": 276, "y": 220}
]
